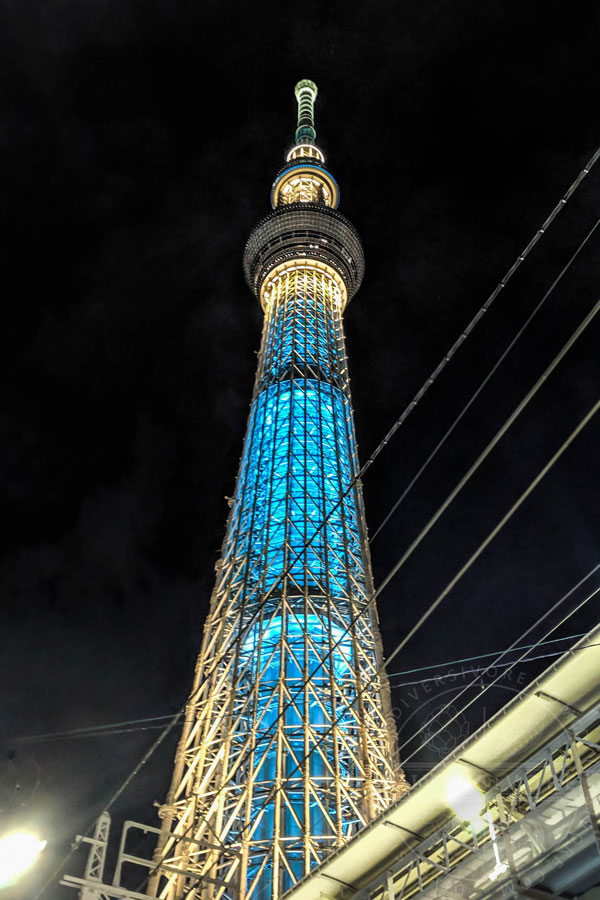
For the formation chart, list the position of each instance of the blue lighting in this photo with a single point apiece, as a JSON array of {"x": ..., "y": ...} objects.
[
  {"x": 262, "y": 648},
  {"x": 293, "y": 480},
  {"x": 299, "y": 460}
]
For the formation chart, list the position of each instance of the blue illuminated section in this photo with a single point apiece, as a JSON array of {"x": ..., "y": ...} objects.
[
  {"x": 296, "y": 472},
  {"x": 298, "y": 481},
  {"x": 265, "y": 647},
  {"x": 298, "y": 462}
]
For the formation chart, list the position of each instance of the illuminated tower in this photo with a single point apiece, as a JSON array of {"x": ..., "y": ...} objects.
[{"x": 289, "y": 745}]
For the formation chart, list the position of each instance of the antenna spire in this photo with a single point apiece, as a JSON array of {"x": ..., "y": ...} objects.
[{"x": 306, "y": 94}]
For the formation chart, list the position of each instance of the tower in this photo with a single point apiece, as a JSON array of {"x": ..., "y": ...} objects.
[{"x": 288, "y": 746}]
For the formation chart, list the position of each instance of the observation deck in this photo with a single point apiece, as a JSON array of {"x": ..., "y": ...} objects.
[
  {"x": 307, "y": 233},
  {"x": 305, "y": 230}
]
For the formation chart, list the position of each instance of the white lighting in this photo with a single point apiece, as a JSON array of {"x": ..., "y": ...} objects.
[
  {"x": 464, "y": 798},
  {"x": 467, "y": 802},
  {"x": 18, "y": 851}
]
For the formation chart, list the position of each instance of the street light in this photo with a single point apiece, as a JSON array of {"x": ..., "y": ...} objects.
[
  {"x": 464, "y": 798},
  {"x": 467, "y": 802},
  {"x": 18, "y": 852}
]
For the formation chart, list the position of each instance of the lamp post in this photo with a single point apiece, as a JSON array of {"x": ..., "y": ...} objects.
[{"x": 467, "y": 802}]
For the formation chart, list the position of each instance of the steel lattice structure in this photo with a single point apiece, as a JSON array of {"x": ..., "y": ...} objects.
[{"x": 283, "y": 755}]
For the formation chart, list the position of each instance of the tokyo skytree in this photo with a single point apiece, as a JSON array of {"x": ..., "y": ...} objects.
[{"x": 289, "y": 744}]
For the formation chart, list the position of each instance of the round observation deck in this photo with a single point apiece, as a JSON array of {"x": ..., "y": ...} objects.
[
  {"x": 305, "y": 179},
  {"x": 303, "y": 232}
]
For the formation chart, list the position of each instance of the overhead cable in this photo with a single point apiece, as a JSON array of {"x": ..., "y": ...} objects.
[
  {"x": 484, "y": 688},
  {"x": 131, "y": 725},
  {"x": 394, "y": 571},
  {"x": 479, "y": 671},
  {"x": 88, "y": 731},
  {"x": 493, "y": 533},
  {"x": 464, "y": 659},
  {"x": 485, "y": 381},
  {"x": 521, "y": 406}
]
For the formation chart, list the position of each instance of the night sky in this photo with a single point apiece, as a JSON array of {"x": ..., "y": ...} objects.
[{"x": 139, "y": 142}]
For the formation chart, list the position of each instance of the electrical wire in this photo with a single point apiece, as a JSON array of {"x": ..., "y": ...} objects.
[
  {"x": 538, "y": 643},
  {"x": 490, "y": 446},
  {"x": 244, "y": 632},
  {"x": 478, "y": 671},
  {"x": 507, "y": 424},
  {"x": 484, "y": 688},
  {"x": 461, "y": 711},
  {"x": 97, "y": 734},
  {"x": 110, "y": 729},
  {"x": 90, "y": 731},
  {"x": 485, "y": 381},
  {"x": 495, "y": 531},
  {"x": 433, "y": 377},
  {"x": 456, "y": 662},
  {"x": 514, "y": 647}
]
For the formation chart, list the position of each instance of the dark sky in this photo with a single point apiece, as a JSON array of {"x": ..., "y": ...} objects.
[{"x": 139, "y": 142}]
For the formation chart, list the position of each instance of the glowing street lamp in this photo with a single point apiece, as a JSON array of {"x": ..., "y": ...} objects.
[
  {"x": 464, "y": 798},
  {"x": 18, "y": 852},
  {"x": 467, "y": 802}
]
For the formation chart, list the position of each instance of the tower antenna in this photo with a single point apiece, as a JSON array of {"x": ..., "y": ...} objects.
[{"x": 306, "y": 94}]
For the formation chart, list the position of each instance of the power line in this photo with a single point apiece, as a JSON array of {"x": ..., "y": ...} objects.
[
  {"x": 495, "y": 531},
  {"x": 513, "y": 646},
  {"x": 485, "y": 381},
  {"x": 485, "y": 688},
  {"x": 124, "y": 785},
  {"x": 559, "y": 602},
  {"x": 95, "y": 734},
  {"x": 133, "y": 725},
  {"x": 241, "y": 636},
  {"x": 456, "y": 662},
  {"x": 480, "y": 671},
  {"x": 88, "y": 731},
  {"x": 520, "y": 407},
  {"x": 490, "y": 446},
  {"x": 439, "y": 712}
]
